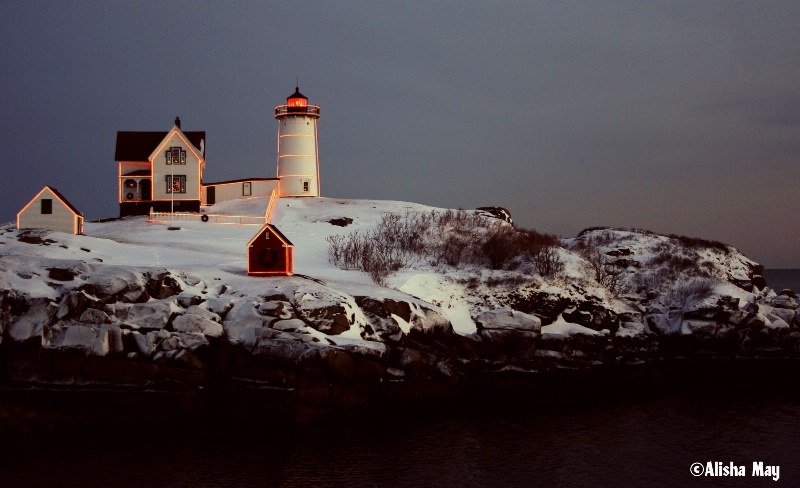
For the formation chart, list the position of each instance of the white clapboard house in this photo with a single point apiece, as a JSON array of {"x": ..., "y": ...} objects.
[{"x": 163, "y": 171}]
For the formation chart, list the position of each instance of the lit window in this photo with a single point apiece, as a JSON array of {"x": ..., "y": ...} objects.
[
  {"x": 176, "y": 184},
  {"x": 176, "y": 155},
  {"x": 130, "y": 183},
  {"x": 47, "y": 206}
]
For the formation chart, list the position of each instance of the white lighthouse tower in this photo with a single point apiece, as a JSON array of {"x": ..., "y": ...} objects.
[{"x": 298, "y": 158}]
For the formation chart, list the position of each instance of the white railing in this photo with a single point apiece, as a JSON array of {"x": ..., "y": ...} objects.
[
  {"x": 168, "y": 217},
  {"x": 270, "y": 205}
]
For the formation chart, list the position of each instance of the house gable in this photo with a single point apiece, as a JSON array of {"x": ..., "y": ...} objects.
[
  {"x": 270, "y": 253},
  {"x": 171, "y": 136},
  {"x": 140, "y": 146},
  {"x": 186, "y": 174},
  {"x": 49, "y": 209}
]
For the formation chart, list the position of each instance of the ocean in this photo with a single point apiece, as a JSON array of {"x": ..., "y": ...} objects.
[
  {"x": 778, "y": 279},
  {"x": 649, "y": 441}
]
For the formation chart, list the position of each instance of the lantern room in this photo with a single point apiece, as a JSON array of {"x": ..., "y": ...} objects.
[
  {"x": 297, "y": 99},
  {"x": 297, "y": 104}
]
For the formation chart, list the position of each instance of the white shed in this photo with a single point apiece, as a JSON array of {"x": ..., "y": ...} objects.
[{"x": 50, "y": 210}]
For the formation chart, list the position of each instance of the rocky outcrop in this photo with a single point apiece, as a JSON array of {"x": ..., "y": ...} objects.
[{"x": 303, "y": 346}]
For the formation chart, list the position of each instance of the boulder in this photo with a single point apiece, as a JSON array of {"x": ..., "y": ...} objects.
[
  {"x": 162, "y": 285},
  {"x": 324, "y": 310},
  {"x": 145, "y": 343},
  {"x": 150, "y": 315},
  {"x": 380, "y": 324},
  {"x": 290, "y": 325},
  {"x": 202, "y": 312},
  {"x": 74, "y": 302},
  {"x": 594, "y": 316},
  {"x": 218, "y": 305},
  {"x": 785, "y": 314},
  {"x": 783, "y": 301},
  {"x": 40, "y": 312},
  {"x": 429, "y": 321},
  {"x": 94, "y": 316},
  {"x": 280, "y": 309},
  {"x": 283, "y": 349},
  {"x": 192, "y": 341},
  {"x": 509, "y": 331},
  {"x": 61, "y": 274},
  {"x": 111, "y": 283},
  {"x": 197, "y": 324},
  {"x": 243, "y": 322},
  {"x": 508, "y": 319},
  {"x": 83, "y": 338},
  {"x": 758, "y": 281}
]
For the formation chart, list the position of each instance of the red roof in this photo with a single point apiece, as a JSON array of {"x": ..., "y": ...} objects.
[{"x": 137, "y": 146}]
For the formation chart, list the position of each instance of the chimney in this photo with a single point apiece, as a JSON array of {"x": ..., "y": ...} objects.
[{"x": 178, "y": 122}]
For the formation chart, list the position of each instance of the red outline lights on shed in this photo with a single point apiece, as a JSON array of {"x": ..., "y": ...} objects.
[{"x": 270, "y": 253}]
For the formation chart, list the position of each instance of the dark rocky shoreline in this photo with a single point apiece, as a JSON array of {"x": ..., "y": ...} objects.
[
  {"x": 88, "y": 344},
  {"x": 423, "y": 375}
]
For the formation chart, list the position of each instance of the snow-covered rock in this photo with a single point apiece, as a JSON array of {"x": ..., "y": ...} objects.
[
  {"x": 102, "y": 308},
  {"x": 198, "y": 325}
]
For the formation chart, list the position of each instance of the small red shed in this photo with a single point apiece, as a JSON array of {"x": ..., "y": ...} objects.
[{"x": 269, "y": 253}]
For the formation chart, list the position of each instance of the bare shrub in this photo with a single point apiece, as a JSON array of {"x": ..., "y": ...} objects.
[
  {"x": 501, "y": 246},
  {"x": 697, "y": 242},
  {"x": 693, "y": 289},
  {"x": 605, "y": 272},
  {"x": 451, "y": 237},
  {"x": 548, "y": 262}
]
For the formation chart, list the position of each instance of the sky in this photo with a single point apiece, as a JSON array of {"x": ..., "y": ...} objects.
[{"x": 679, "y": 117}]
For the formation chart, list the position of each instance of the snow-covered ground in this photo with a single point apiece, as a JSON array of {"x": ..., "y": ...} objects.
[{"x": 217, "y": 254}]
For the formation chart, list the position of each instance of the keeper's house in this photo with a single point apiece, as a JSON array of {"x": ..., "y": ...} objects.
[
  {"x": 160, "y": 170},
  {"x": 164, "y": 171},
  {"x": 50, "y": 210}
]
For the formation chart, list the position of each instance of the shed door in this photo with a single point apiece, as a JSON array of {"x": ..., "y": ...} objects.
[{"x": 211, "y": 195}]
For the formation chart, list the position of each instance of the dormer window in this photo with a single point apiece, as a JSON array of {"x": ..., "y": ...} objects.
[{"x": 176, "y": 155}]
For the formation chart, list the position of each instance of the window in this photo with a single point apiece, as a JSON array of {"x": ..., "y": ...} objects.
[
  {"x": 246, "y": 189},
  {"x": 47, "y": 206},
  {"x": 176, "y": 184},
  {"x": 305, "y": 186},
  {"x": 176, "y": 155}
]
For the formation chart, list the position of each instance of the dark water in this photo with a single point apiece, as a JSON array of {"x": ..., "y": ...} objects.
[
  {"x": 646, "y": 442},
  {"x": 778, "y": 279}
]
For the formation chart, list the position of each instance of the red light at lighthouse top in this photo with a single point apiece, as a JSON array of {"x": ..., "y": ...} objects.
[
  {"x": 297, "y": 99},
  {"x": 297, "y": 104}
]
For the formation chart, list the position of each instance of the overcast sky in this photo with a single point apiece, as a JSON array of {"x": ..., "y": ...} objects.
[{"x": 677, "y": 116}]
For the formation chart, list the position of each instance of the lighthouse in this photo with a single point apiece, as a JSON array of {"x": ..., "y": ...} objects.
[{"x": 298, "y": 158}]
